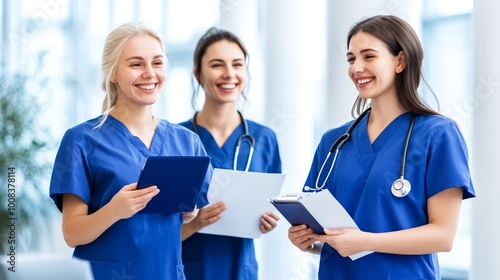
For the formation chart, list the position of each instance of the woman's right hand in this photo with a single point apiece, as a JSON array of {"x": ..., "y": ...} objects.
[{"x": 129, "y": 200}]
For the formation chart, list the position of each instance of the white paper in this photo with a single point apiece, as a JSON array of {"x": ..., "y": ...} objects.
[
  {"x": 245, "y": 195},
  {"x": 330, "y": 214}
]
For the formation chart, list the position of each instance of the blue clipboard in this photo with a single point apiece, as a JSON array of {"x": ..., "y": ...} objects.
[
  {"x": 179, "y": 178},
  {"x": 296, "y": 213}
]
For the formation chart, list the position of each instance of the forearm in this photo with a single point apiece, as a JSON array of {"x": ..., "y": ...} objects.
[
  {"x": 416, "y": 241},
  {"x": 83, "y": 229},
  {"x": 187, "y": 230}
]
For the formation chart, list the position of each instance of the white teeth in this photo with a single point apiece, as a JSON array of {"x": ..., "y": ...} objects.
[
  {"x": 364, "y": 81},
  {"x": 228, "y": 86},
  {"x": 146, "y": 87}
]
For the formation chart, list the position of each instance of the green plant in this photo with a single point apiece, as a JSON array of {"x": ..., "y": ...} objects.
[{"x": 24, "y": 168}]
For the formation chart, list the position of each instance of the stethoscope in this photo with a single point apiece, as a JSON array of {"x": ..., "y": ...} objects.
[
  {"x": 245, "y": 135},
  {"x": 400, "y": 188}
]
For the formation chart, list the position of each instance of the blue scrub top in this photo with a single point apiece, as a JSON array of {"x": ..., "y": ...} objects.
[
  {"x": 216, "y": 257},
  {"x": 437, "y": 159},
  {"x": 94, "y": 164}
]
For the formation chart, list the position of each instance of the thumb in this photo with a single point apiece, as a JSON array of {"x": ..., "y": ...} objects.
[
  {"x": 332, "y": 231},
  {"x": 130, "y": 187}
]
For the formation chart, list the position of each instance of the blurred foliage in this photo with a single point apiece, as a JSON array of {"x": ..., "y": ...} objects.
[{"x": 24, "y": 145}]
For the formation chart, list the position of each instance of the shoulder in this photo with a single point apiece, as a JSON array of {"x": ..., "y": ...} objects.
[
  {"x": 85, "y": 129},
  {"x": 176, "y": 128},
  {"x": 187, "y": 124},
  {"x": 435, "y": 124},
  {"x": 336, "y": 132},
  {"x": 258, "y": 127},
  {"x": 260, "y": 130}
]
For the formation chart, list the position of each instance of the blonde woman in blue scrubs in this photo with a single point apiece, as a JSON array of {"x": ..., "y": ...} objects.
[
  {"x": 220, "y": 68},
  {"x": 95, "y": 172},
  {"x": 404, "y": 229}
]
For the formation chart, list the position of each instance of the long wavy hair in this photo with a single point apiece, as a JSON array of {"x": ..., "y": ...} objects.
[{"x": 398, "y": 36}]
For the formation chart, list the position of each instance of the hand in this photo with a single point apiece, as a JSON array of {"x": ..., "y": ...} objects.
[
  {"x": 128, "y": 200},
  {"x": 208, "y": 215},
  {"x": 346, "y": 242},
  {"x": 189, "y": 216},
  {"x": 268, "y": 221},
  {"x": 302, "y": 237}
]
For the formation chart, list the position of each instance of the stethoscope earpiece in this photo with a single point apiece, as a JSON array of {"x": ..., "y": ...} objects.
[{"x": 400, "y": 187}]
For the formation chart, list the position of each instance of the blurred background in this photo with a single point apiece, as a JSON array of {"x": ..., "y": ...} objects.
[{"x": 50, "y": 54}]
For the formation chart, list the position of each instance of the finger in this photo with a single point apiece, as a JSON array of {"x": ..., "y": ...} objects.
[
  {"x": 154, "y": 190},
  {"x": 273, "y": 215},
  {"x": 130, "y": 187},
  {"x": 294, "y": 229},
  {"x": 268, "y": 222}
]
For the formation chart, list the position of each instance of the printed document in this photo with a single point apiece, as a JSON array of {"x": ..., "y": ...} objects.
[{"x": 246, "y": 197}]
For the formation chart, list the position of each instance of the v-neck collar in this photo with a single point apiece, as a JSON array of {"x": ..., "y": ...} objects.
[
  {"x": 220, "y": 154},
  {"x": 156, "y": 142},
  {"x": 389, "y": 131}
]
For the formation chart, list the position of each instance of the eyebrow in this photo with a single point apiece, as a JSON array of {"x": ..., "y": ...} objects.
[
  {"x": 141, "y": 58},
  {"x": 363, "y": 51},
  {"x": 220, "y": 60}
]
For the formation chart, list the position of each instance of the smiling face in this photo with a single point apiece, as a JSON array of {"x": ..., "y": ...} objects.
[
  {"x": 372, "y": 67},
  {"x": 140, "y": 71},
  {"x": 223, "y": 72}
]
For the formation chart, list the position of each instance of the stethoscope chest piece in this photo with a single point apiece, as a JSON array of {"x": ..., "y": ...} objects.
[{"x": 400, "y": 187}]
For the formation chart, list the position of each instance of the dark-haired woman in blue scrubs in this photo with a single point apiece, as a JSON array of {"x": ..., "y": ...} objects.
[
  {"x": 96, "y": 169},
  {"x": 220, "y": 68},
  {"x": 405, "y": 215}
]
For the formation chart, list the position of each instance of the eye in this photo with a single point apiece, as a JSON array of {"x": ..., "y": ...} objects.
[
  {"x": 351, "y": 60},
  {"x": 159, "y": 62}
]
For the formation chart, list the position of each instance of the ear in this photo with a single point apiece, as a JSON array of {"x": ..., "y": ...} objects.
[
  {"x": 195, "y": 74},
  {"x": 400, "y": 62}
]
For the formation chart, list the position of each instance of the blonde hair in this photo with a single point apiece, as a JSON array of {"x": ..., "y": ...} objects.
[{"x": 113, "y": 47}]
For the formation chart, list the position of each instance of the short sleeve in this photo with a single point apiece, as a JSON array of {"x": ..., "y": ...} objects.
[
  {"x": 70, "y": 173},
  {"x": 448, "y": 162}
]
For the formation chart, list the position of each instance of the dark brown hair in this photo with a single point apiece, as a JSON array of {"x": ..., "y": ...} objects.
[
  {"x": 212, "y": 36},
  {"x": 398, "y": 36}
]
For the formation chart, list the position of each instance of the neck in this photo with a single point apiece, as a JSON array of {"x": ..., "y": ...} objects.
[
  {"x": 221, "y": 118},
  {"x": 134, "y": 119},
  {"x": 221, "y": 121}
]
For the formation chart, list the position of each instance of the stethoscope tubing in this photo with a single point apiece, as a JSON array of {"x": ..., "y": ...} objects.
[
  {"x": 245, "y": 135},
  {"x": 339, "y": 143}
]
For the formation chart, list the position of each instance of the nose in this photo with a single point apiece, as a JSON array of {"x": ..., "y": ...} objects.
[
  {"x": 149, "y": 72},
  {"x": 357, "y": 66},
  {"x": 228, "y": 72}
]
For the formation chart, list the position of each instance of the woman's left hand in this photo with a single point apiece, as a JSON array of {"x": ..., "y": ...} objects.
[
  {"x": 268, "y": 221},
  {"x": 347, "y": 241}
]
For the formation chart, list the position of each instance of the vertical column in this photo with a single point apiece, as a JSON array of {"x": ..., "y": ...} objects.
[
  {"x": 485, "y": 101},
  {"x": 294, "y": 80},
  {"x": 341, "y": 93}
]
